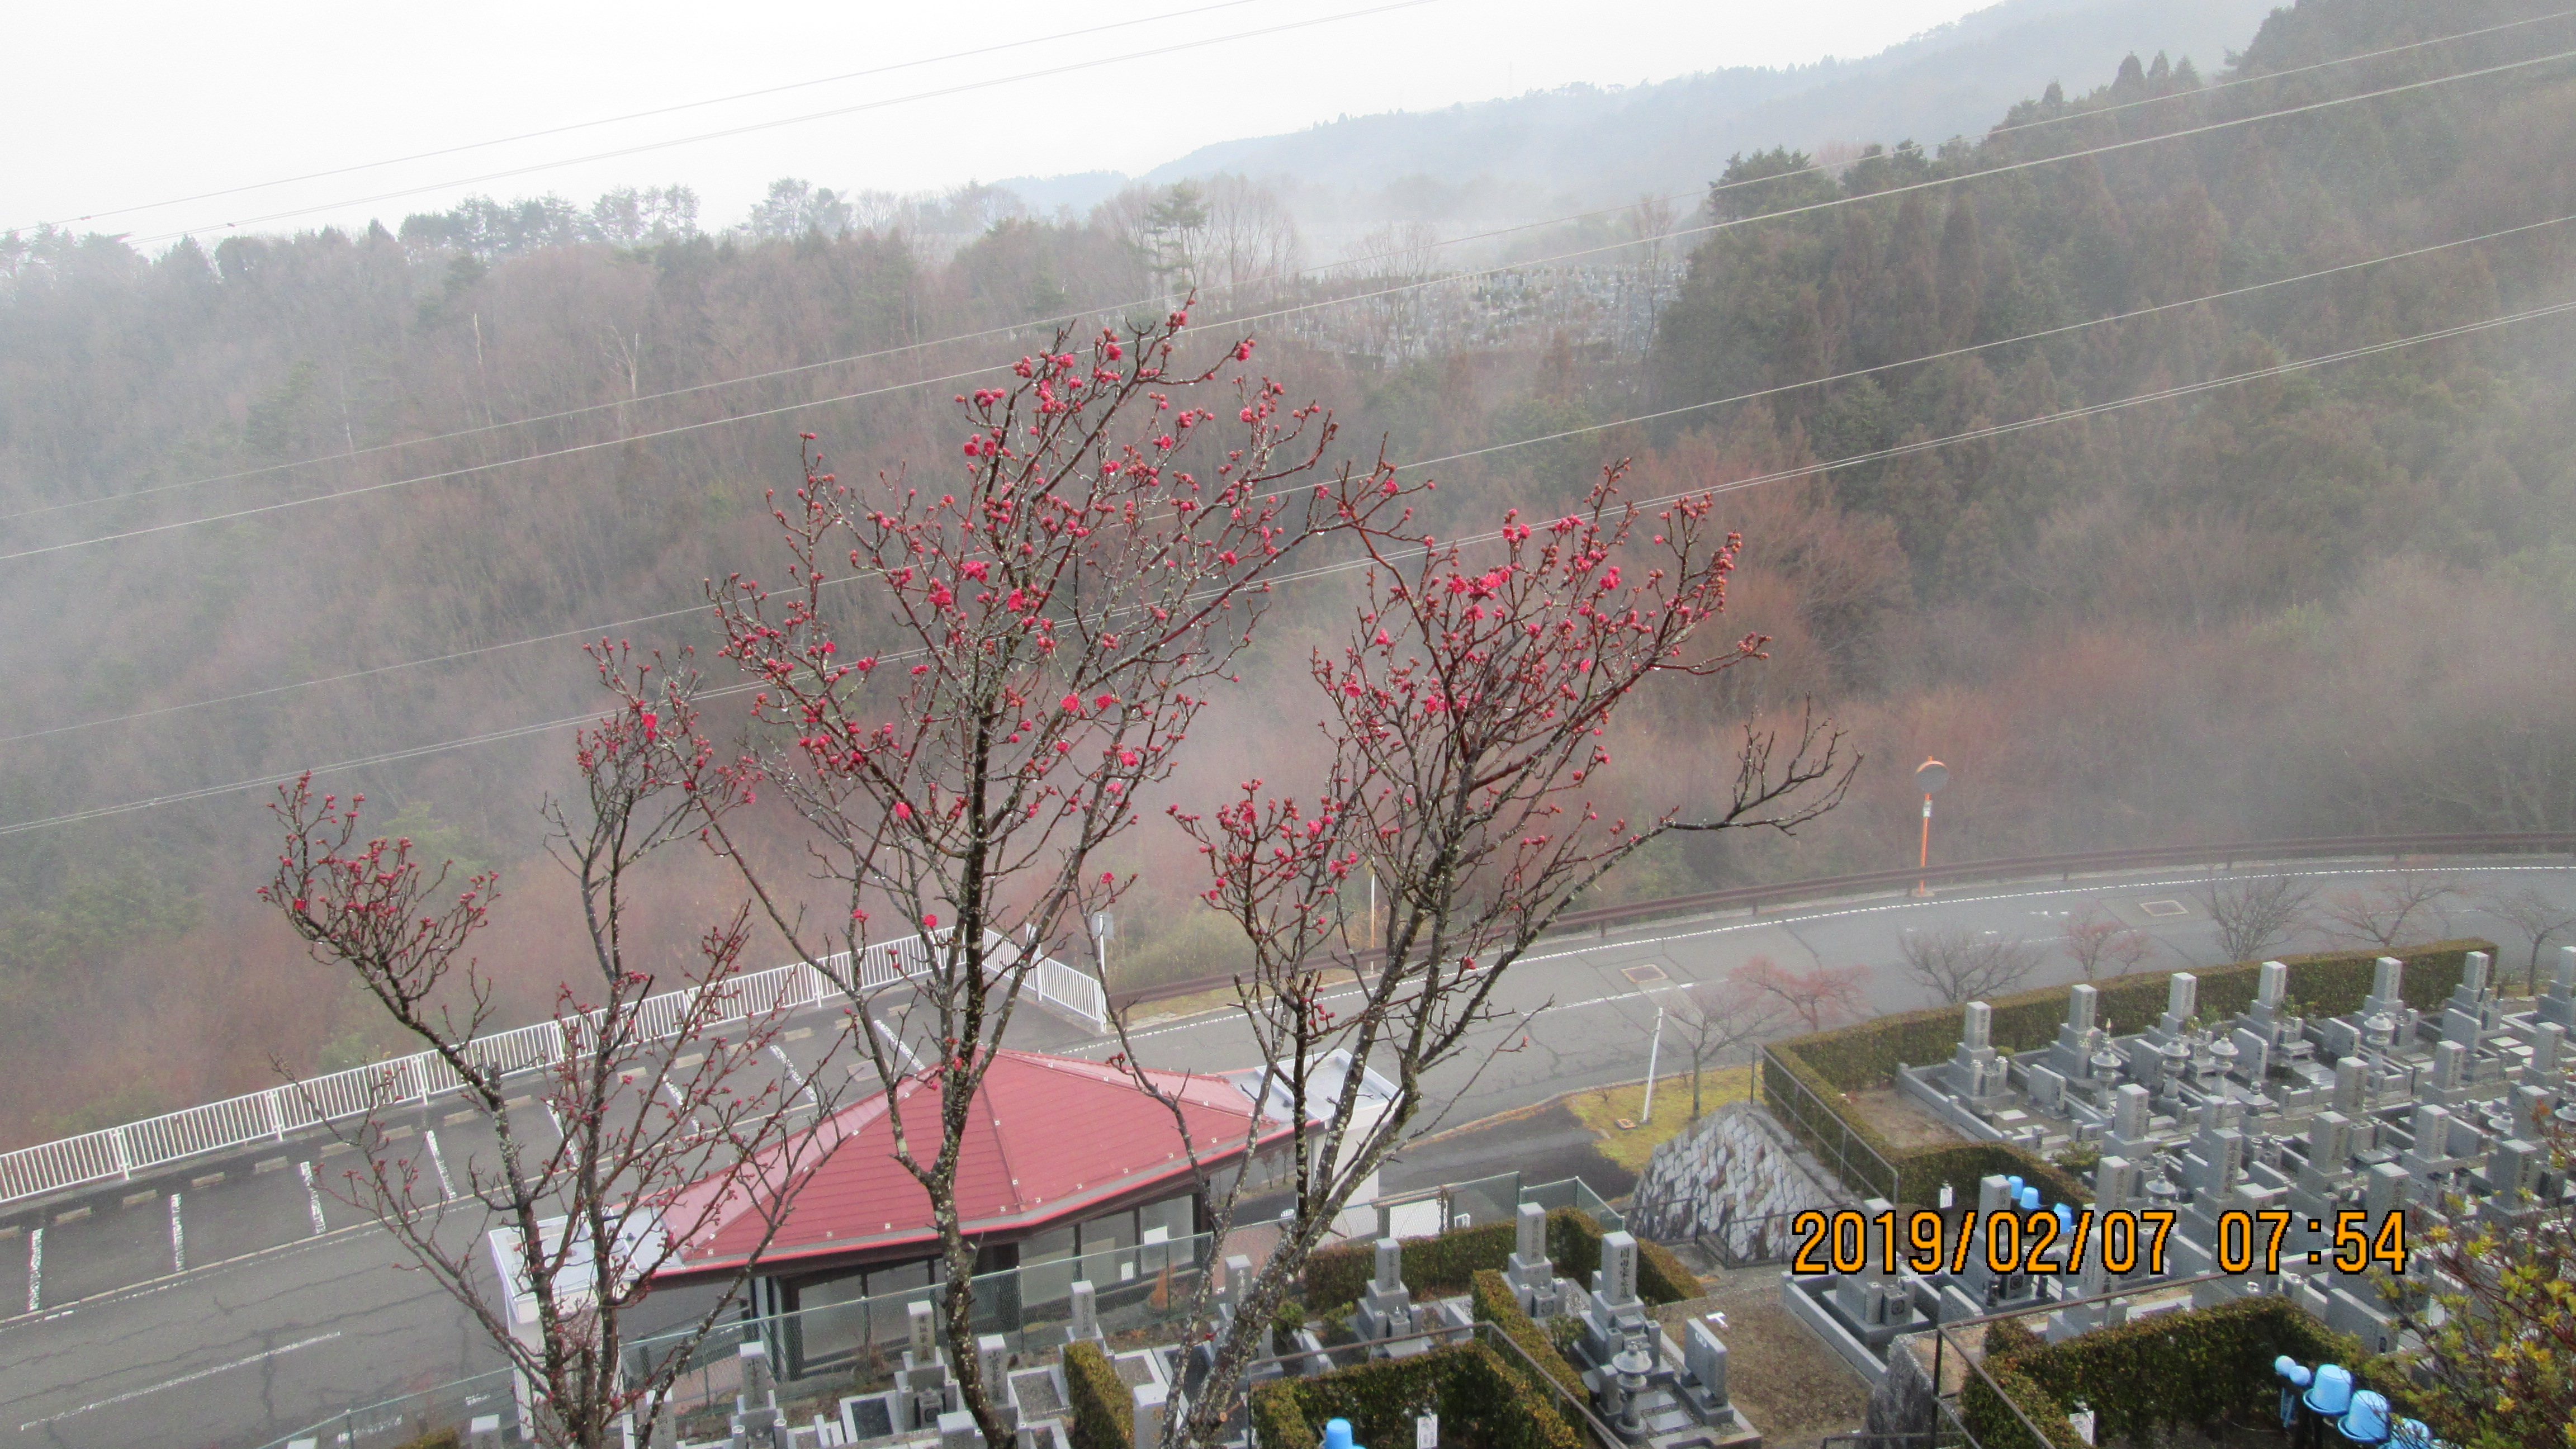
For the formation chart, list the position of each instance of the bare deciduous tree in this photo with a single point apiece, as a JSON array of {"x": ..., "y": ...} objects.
[
  {"x": 1060, "y": 617},
  {"x": 588, "y": 1210},
  {"x": 1716, "y": 1017},
  {"x": 2390, "y": 914},
  {"x": 1465, "y": 715},
  {"x": 2102, "y": 945},
  {"x": 2539, "y": 917},
  {"x": 1826, "y": 996},
  {"x": 1958, "y": 965},
  {"x": 2253, "y": 915}
]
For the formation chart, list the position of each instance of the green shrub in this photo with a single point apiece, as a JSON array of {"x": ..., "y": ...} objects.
[
  {"x": 2189, "y": 1367},
  {"x": 1661, "y": 1278},
  {"x": 1495, "y": 1303},
  {"x": 447, "y": 1438},
  {"x": 1574, "y": 1242},
  {"x": 1865, "y": 1056},
  {"x": 1104, "y": 1414},
  {"x": 1287, "y": 1318},
  {"x": 2008, "y": 1336},
  {"x": 1961, "y": 1166},
  {"x": 1448, "y": 1263},
  {"x": 1468, "y": 1384},
  {"x": 1442, "y": 1264}
]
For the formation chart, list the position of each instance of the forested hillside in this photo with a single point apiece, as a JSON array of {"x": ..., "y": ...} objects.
[
  {"x": 1594, "y": 145},
  {"x": 291, "y": 475}
]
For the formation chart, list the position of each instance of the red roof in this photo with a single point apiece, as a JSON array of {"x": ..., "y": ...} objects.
[{"x": 1050, "y": 1139}]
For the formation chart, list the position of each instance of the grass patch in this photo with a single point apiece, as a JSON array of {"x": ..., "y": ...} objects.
[{"x": 1602, "y": 1108}]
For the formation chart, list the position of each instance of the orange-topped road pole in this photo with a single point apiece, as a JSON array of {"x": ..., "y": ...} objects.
[{"x": 1929, "y": 776}]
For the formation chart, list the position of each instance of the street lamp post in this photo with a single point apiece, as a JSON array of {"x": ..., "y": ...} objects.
[{"x": 1929, "y": 777}]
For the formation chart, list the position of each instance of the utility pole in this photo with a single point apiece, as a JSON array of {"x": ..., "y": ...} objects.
[
  {"x": 1929, "y": 776},
  {"x": 1653, "y": 1052}
]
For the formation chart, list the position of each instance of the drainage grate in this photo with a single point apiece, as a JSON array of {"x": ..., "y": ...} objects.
[
  {"x": 1641, "y": 975},
  {"x": 2167, "y": 909}
]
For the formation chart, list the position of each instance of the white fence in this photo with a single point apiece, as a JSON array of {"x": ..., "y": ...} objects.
[{"x": 120, "y": 1152}]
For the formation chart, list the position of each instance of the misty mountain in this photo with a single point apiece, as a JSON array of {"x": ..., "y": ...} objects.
[{"x": 1591, "y": 144}]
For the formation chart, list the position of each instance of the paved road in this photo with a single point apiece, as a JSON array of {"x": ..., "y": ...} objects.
[{"x": 234, "y": 1301}]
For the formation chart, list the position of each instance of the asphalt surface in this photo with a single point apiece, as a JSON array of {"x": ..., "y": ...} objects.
[{"x": 232, "y": 1301}]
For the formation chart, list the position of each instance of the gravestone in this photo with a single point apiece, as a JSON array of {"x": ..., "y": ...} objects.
[
  {"x": 2182, "y": 1003},
  {"x": 1976, "y": 1073},
  {"x": 1085, "y": 1305},
  {"x": 1704, "y": 1366},
  {"x": 2557, "y": 1003},
  {"x": 1386, "y": 1310}
]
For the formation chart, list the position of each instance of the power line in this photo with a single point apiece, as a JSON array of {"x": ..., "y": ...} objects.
[
  {"x": 1295, "y": 274},
  {"x": 961, "y": 88},
  {"x": 1295, "y": 309},
  {"x": 1736, "y": 485},
  {"x": 647, "y": 114},
  {"x": 618, "y": 626}
]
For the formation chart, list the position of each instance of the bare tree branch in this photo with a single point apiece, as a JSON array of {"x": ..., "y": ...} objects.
[
  {"x": 2390, "y": 914},
  {"x": 2255, "y": 915},
  {"x": 1465, "y": 713},
  {"x": 2102, "y": 945},
  {"x": 1958, "y": 965},
  {"x": 639, "y": 1108},
  {"x": 1029, "y": 651}
]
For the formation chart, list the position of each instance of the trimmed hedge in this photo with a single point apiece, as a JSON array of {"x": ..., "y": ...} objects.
[
  {"x": 2187, "y": 1367},
  {"x": 1661, "y": 1278},
  {"x": 1496, "y": 1304},
  {"x": 1467, "y": 1384},
  {"x": 1448, "y": 1262},
  {"x": 1574, "y": 1242},
  {"x": 1924, "y": 1171},
  {"x": 1442, "y": 1263},
  {"x": 1866, "y": 1055},
  {"x": 1104, "y": 1413}
]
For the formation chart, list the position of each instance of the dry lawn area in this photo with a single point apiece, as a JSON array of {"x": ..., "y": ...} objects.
[{"x": 1602, "y": 1109}]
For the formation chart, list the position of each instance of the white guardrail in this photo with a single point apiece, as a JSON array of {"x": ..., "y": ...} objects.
[{"x": 120, "y": 1152}]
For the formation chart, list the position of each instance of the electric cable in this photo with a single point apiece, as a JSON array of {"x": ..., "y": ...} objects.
[
  {"x": 1295, "y": 309},
  {"x": 621, "y": 625},
  {"x": 748, "y": 128},
  {"x": 2089, "y": 410},
  {"x": 1273, "y": 279},
  {"x": 640, "y": 115}
]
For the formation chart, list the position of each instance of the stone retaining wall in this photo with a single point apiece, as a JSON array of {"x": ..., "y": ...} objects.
[{"x": 1736, "y": 1177}]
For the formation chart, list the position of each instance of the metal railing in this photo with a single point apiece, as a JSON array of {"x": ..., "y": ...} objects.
[
  {"x": 1488, "y": 1200},
  {"x": 827, "y": 1351},
  {"x": 2226, "y": 855},
  {"x": 117, "y": 1153},
  {"x": 1825, "y": 1131},
  {"x": 120, "y": 1152},
  {"x": 824, "y": 1353}
]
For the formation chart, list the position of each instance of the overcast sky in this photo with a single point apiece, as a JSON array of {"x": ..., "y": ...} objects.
[{"x": 116, "y": 114}]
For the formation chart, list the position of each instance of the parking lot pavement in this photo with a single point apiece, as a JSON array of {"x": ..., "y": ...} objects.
[{"x": 273, "y": 1326}]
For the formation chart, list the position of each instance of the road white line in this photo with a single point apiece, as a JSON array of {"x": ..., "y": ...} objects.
[
  {"x": 438, "y": 1159},
  {"x": 178, "y": 1238},
  {"x": 182, "y": 1379},
  {"x": 795, "y": 1076},
  {"x": 2094, "y": 887},
  {"x": 35, "y": 1270},
  {"x": 313, "y": 1196}
]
